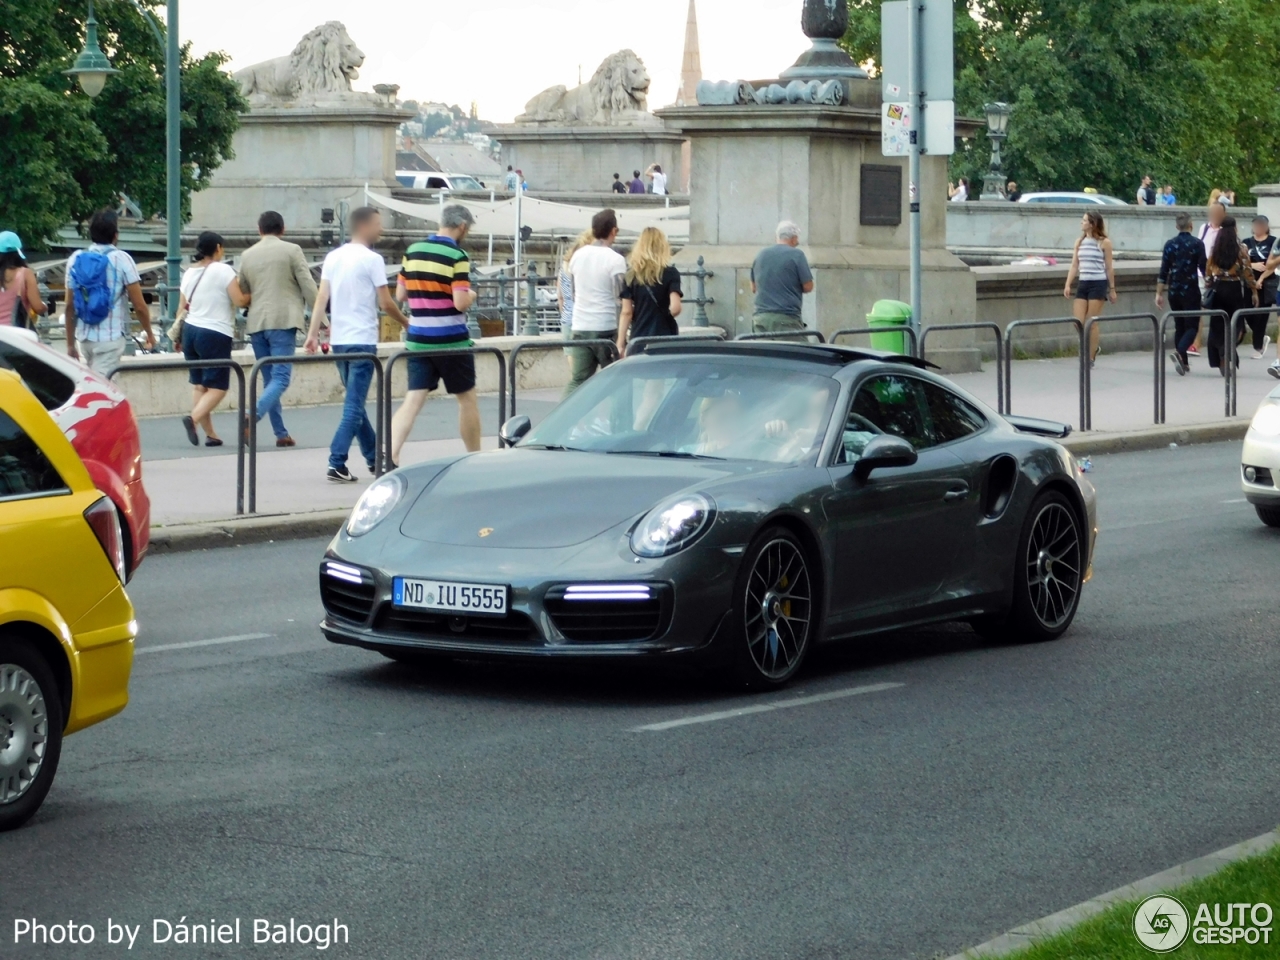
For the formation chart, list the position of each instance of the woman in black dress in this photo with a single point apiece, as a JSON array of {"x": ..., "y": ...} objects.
[{"x": 651, "y": 301}]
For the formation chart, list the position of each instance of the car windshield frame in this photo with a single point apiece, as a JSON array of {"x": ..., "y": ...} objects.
[{"x": 700, "y": 407}]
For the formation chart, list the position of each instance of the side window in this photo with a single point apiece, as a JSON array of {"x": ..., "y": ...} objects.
[
  {"x": 24, "y": 469},
  {"x": 436, "y": 183},
  {"x": 952, "y": 417},
  {"x": 888, "y": 404},
  {"x": 50, "y": 387}
]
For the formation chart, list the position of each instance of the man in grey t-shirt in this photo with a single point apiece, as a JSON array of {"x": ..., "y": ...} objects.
[{"x": 780, "y": 277}]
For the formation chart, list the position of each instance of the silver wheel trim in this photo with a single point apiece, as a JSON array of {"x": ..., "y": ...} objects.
[
  {"x": 24, "y": 731},
  {"x": 1053, "y": 565},
  {"x": 778, "y": 609}
]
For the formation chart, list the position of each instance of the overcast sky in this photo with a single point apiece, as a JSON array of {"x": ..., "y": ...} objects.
[{"x": 502, "y": 52}]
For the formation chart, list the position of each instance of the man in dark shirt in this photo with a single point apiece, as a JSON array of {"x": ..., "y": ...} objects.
[
  {"x": 1181, "y": 265},
  {"x": 636, "y": 185},
  {"x": 618, "y": 186},
  {"x": 780, "y": 277}
]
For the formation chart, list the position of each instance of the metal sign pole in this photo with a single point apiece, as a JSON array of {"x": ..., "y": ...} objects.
[{"x": 916, "y": 99}]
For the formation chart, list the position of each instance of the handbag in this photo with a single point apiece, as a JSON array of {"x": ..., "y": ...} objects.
[{"x": 174, "y": 333}]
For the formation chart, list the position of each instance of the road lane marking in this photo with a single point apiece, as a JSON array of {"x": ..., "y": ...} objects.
[
  {"x": 1237, "y": 500},
  {"x": 765, "y": 707},
  {"x": 216, "y": 641}
]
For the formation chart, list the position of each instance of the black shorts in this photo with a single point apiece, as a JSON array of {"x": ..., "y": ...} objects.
[
  {"x": 457, "y": 371},
  {"x": 200, "y": 343},
  {"x": 1091, "y": 290}
]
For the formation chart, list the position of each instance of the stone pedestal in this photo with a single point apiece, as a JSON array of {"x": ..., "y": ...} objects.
[
  {"x": 756, "y": 165},
  {"x": 581, "y": 158},
  {"x": 1268, "y": 195},
  {"x": 299, "y": 159}
]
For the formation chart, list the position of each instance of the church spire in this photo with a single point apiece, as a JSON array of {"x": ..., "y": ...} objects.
[{"x": 691, "y": 69}]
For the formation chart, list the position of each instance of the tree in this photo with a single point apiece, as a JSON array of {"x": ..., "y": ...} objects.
[
  {"x": 63, "y": 155},
  {"x": 1105, "y": 91}
]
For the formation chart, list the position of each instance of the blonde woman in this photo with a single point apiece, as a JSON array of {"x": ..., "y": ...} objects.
[
  {"x": 1091, "y": 264},
  {"x": 651, "y": 296}
]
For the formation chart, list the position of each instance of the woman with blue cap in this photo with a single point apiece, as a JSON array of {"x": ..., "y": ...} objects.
[{"x": 19, "y": 291}]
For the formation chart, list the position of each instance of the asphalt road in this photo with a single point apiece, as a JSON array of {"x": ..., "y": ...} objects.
[{"x": 484, "y": 812}]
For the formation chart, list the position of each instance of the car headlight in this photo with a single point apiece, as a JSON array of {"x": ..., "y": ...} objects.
[
  {"x": 1267, "y": 420},
  {"x": 375, "y": 503},
  {"x": 672, "y": 525}
]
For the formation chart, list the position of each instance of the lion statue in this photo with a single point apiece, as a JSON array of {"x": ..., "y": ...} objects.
[
  {"x": 615, "y": 94},
  {"x": 323, "y": 64}
]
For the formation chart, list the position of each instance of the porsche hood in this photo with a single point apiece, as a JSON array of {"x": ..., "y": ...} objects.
[{"x": 543, "y": 499}]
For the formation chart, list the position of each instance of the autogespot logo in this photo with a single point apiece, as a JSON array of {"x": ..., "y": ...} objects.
[{"x": 1160, "y": 923}]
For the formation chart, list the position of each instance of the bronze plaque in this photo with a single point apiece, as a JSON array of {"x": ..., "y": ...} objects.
[{"x": 881, "y": 195}]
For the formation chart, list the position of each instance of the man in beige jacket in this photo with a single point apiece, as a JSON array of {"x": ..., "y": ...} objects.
[{"x": 276, "y": 273}]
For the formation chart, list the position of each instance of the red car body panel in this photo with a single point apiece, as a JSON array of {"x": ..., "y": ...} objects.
[{"x": 100, "y": 424}]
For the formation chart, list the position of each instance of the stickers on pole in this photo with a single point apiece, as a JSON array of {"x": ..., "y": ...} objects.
[{"x": 895, "y": 129}]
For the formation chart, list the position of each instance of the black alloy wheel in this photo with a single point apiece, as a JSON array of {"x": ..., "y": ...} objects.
[{"x": 774, "y": 611}]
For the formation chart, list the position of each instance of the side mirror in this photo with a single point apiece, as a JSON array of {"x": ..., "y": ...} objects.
[
  {"x": 885, "y": 450},
  {"x": 514, "y": 429}
]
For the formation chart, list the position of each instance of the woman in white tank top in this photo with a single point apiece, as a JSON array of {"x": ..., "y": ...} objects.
[{"x": 1091, "y": 265}]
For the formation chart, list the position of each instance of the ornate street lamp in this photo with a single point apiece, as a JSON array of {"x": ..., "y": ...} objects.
[
  {"x": 993, "y": 184},
  {"x": 92, "y": 68}
]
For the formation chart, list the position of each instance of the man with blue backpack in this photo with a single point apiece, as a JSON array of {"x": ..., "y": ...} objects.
[{"x": 102, "y": 283}]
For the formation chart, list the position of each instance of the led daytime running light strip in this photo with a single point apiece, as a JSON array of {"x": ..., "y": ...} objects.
[
  {"x": 608, "y": 591},
  {"x": 341, "y": 571}
]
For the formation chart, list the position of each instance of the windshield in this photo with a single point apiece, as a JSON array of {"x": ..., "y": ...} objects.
[
  {"x": 720, "y": 408},
  {"x": 465, "y": 183}
]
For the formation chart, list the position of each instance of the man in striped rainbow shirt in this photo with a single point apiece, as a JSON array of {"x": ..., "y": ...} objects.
[{"x": 435, "y": 279}]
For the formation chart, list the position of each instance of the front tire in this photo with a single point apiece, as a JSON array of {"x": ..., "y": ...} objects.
[
  {"x": 1268, "y": 515},
  {"x": 774, "y": 613},
  {"x": 30, "y": 731},
  {"x": 1047, "y": 576}
]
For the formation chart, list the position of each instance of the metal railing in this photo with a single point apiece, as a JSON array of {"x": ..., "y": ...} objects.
[
  {"x": 1008, "y": 359},
  {"x": 639, "y": 343},
  {"x": 910, "y": 332},
  {"x": 387, "y": 382},
  {"x": 701, "y": 301},
  {"x": 148, "y": 366},
  {"x": 783, "y": 335},
  {"x": 334, "y": 358},
  {"x": 1162, "y": 373},
  {"x": 513, "y": 374},
  {"x": 981, "y": 325},
  {"x": 1233, "y": 334},
  {"x": 1155, "y": 356}
]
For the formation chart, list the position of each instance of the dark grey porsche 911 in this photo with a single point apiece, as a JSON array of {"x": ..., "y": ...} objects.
[{"x": 735, "y": 503}]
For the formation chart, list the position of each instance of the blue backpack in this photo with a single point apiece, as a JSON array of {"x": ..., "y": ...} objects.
[{"x": 91, "y": 278}]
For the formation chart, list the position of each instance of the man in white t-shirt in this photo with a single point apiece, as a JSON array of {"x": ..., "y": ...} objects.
[
  {"x": 353, "y": 286},
  {"x": 597, "y": 272}
]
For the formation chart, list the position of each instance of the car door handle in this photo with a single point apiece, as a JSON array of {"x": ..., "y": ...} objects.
[{"x": 958, "y": 493}]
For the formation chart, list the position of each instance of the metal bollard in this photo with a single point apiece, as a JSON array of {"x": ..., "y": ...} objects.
[
  {"x": 700, "y": 275},
  {"x": 530, "y": 328}
]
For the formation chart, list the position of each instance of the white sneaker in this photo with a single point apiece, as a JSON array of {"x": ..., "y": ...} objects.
[
  {"x": 1274, "y": 370},
  {"x": 1258, "y": 355}
]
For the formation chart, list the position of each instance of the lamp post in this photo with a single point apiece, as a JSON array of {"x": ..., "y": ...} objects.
[
  {"x": 91, "y": 69},
  {"x": 993, "y": 184}
]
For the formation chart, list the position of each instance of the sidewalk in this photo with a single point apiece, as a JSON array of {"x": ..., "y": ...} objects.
[
  {"x": 1122, "y": 390},
  {"x": 193, "y": 484}
]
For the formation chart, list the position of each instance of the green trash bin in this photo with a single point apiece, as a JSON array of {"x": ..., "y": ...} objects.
[{"x": 892, "y": 316}]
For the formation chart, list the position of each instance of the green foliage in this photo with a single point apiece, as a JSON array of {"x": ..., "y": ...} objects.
[
  {"x": 1105, "y": 91},
  {"x": 63, "y": 155}
]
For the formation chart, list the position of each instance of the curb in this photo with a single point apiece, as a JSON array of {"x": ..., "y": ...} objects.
[
  {"x": 1153, "y": 438},
  {"x": 183, "y": 537},
  {"x": 1027, "y": 934}
]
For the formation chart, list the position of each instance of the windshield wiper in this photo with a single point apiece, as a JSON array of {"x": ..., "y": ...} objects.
[
  {"x": 550, "y": 446},
  {"x": 679, "y": 454}
]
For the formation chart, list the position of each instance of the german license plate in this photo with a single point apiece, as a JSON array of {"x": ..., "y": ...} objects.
[{"x": 474, "y": 598}]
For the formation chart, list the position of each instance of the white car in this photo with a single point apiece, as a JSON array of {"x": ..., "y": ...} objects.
[
  {"x": 423, "y": 180},
  {"x": 1260, "y": 460},
  {"x": 1066, "y": 196}
]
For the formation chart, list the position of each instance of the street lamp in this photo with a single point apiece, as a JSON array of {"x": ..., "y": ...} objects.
[
  {"x": 92, "y": 68},
  {"x": 993, "y": 184}
]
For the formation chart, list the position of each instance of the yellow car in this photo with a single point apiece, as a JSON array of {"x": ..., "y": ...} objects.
[{"x": 66, "y": 624}]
